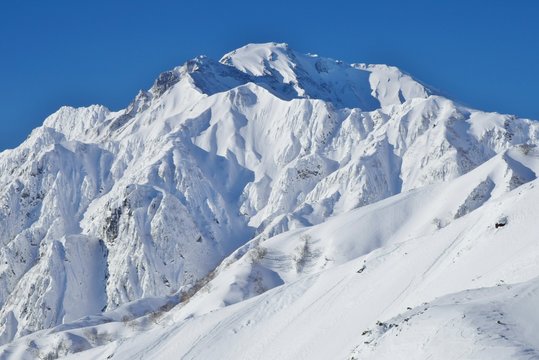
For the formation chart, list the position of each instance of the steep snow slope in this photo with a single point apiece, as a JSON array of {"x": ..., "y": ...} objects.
[
  {"x": 324, "y": 315},
  {"x": 100, "y": 208},
  {"x": 398, "y": 289},
  {"x": 261, "y": 265}
]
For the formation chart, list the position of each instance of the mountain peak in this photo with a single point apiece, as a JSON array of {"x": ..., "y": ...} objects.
[
  {"x": 254, "y": 59},
  {"x": 289, "y": 74},
  {"x": 363, "y": 86}
]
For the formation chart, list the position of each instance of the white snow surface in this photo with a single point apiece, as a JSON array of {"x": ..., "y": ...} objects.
[{"x": 272, "y": 205}]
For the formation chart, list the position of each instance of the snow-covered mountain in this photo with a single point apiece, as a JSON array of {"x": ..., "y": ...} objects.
[{"x": 272, "y": 205}]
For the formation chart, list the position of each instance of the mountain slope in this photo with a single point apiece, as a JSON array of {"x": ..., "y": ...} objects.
[
  {"x": 360, "y": 306},
  {"x": 99, "y": 209}
]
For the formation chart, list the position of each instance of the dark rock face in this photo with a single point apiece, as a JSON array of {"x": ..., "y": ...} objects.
[
  {"x": 113, "y": 225},
  {"x": 165, "y": 81}
]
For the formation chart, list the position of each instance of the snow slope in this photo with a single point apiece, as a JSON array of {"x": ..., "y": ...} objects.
[
  {"x": 323, "y": 315},
  {"x": 468, "y": 284},
  {"x": 269, "y": 172}
]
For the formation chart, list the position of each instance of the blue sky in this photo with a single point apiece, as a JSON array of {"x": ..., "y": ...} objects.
[{"x": 482, "y": 53}]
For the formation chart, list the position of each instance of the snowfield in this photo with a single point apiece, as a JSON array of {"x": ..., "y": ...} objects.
[{"x": 272, "y": 205}]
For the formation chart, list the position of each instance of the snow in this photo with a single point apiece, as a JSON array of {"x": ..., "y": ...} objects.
[
  {"x": 324, "y": 314},
  {"x": 272, "y": 205}
]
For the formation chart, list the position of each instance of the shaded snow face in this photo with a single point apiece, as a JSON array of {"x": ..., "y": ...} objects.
[{"x": 100, "y": 208}]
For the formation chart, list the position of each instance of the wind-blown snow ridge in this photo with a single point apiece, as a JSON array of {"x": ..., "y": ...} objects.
[{"x": 230, "y": 178}]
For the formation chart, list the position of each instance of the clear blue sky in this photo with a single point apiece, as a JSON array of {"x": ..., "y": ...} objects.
[{"x": 55, "y": 52}]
